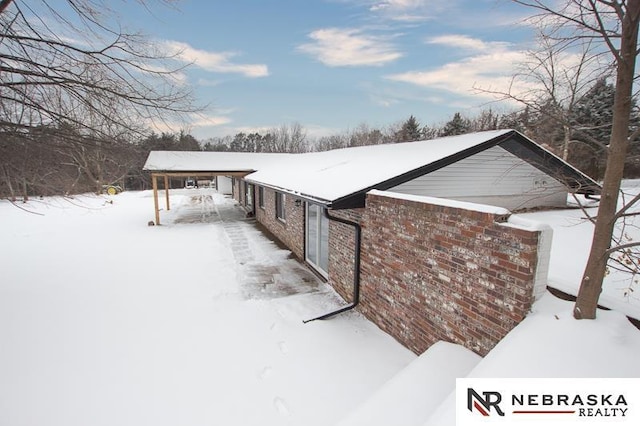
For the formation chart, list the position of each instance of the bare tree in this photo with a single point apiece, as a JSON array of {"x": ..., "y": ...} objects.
[
  {"x": 289, "y": 138},
  {"x": 62, "y": 62},
  {"x": 612, "y": 25},
  {"x": 550, "y": 82}
]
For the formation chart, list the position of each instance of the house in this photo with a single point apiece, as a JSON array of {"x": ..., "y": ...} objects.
[{"x": 418, "y": 235}]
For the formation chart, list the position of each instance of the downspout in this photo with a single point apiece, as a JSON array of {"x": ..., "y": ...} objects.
[{"x": 356, "y": 268}]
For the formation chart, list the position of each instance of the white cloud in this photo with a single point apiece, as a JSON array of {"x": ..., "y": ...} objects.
[
  {"x": 215, "y": 61},
  {"x": 408, "y": 10},
  {"x": 465, "y": 42},
  {"x": 399, "y": 4},
  {"x": 174, "y": 76},
  {"x": 191, "y": 123},
  {"x": 210, "y": 121},
  {"x": 337, "y": 47},
  {"x": 491, "y": 66}
]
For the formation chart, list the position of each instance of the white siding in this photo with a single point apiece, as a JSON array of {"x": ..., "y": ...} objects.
[
  {"x": 544, "y": 258},
  {"x": 224, "y": 185},
  {"x": 495, "y": 177}
]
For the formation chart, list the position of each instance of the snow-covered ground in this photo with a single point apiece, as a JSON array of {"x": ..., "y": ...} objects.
[
  {"x": 571, "y": 243},
  {"x": 107, "y": 321}
]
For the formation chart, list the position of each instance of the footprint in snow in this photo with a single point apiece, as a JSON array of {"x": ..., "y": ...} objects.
[
  {"x": 265, "y": 373},
  {"x": 281, "y": 406},
  {"x": 284, "y": 348}
]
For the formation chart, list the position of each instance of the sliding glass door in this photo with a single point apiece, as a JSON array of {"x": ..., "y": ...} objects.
[{"x": 317, "y": 250}]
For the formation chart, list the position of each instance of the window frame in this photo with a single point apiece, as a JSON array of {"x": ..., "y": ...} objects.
[
  {"x": 318, "y": 247},
  {"x": 248, "y": 194},
  {"x": 281, "y": 210},
  {"x": 261, "y": 197}
]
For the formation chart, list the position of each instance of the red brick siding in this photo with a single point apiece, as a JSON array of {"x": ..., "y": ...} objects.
[
  {"x": 291, "y": 232},
  {"x": 434, "y": 273},
  {"x": 342, "y": 252}
]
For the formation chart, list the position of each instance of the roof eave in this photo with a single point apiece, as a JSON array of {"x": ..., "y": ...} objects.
[
  {"x": 551, "y": 164},
  {"x": 301, "y": 195},
  {"x": 357, "y": 199},
  {"x": 238, "y": 172}
]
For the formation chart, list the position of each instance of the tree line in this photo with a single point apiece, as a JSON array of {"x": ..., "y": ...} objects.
[
  {"x": 51, "y": 160},
  {"x": 73, "y": 106}
]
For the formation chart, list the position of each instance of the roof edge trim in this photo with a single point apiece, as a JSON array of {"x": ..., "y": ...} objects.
[{"x": 357, "y": 199}]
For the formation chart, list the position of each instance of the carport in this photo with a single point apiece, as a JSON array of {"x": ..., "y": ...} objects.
[
  {"x": 199, "y": 164},
  {"x": 165, "y": 175}
]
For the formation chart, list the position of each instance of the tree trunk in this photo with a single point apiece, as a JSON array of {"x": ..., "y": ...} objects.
[
  {"x": 591, "y": 286},
  {"x": 7, "y": 180},
  {"x": 25, "y": 190},
  {"x": 565, "y": 142},
  {"x": 4, "y": 4}
]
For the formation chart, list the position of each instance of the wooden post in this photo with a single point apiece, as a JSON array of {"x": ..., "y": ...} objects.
[
  {"x": 154, "y": 182},
  {"x": 166, "y": 190}
]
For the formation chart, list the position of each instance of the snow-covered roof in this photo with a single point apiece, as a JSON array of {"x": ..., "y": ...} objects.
[
  {"x": 208, "y": 161},
  {"x": 323, "y": 175},
  {"x": 342, "y": 177}
]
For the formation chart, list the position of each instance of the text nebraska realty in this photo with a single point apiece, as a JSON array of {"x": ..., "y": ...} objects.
[
  {"x": 590, "y": 405},
  {"x": 584, "y": 405}
]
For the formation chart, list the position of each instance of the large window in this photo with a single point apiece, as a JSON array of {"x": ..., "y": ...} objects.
[
  {"x": 317, "y": 239},
  {"x": 248, "y": 195},
  {"x": 281, "y": 212}
]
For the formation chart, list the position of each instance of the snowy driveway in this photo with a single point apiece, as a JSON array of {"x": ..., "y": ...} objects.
[
  {"x": 106, "y": 321},
  {"x": 263, "y": 270}
]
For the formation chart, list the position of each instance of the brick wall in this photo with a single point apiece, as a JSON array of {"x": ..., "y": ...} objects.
[
  {"x": 291, "y": 231},
  {"x": 342, "y": 252},
  {"x": 434, "y": 272}
]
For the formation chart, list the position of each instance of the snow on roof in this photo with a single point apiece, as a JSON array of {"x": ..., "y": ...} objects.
[
  {"x": 206, "y": 161},
  {"x": 411, "y": 395},
  {"x": 476, "y": 207},
  {"x": 549, "y": 342},
  {"x": 331, "y": 176},
  {"x": 321, "y": 175}
]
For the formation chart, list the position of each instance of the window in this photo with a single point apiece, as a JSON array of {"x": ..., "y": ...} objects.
[
  {"x": 280, "y": 206},
  {"x": 248, "y": 195},
  {"x": 261, "y": 197},
  {"x": 317, "y": 238}
]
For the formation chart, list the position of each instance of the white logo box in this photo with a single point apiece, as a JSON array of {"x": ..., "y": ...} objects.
[{"x": 551, "y": 401}]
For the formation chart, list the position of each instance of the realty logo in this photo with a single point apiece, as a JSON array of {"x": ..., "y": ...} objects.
[
  {"x": 484, "y": 404},
  {"x": 557, "y": 401}
]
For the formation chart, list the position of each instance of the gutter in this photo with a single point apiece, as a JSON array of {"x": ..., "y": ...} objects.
[{"x": 356, "y": 268}]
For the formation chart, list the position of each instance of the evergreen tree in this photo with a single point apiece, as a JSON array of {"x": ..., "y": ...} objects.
[
  {"x": 591, "y": 121},
  {"x": 457, "y": 126},
  {"x": 187, "y": 142},
  {"x": 593, "y": 114},
  {"x": 517, "y": 120},
  {"x": 240, "y": 143},
  {"x": 410, "y": 131}
]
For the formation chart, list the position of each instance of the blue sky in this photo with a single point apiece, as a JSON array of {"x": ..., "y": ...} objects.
[{"x": 332, "y": 65}]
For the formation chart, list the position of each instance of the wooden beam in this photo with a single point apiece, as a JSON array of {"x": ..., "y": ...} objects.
[
  {"x": 154, "y": 182},
  {"x": 236, "y": 173},
  {"x": 166, "y": 191}
]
